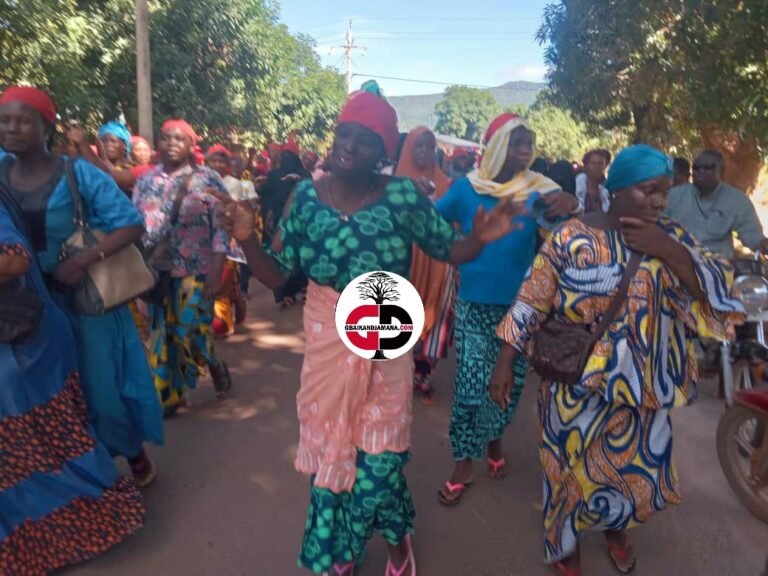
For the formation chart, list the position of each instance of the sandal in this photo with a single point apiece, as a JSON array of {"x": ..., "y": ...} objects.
[
  {"x": 446, "y": 498},
  {"x": 347, "y": 569},
  {"x": 562, "y": 570},
  {"x": 143, "y": 470},
  {"x": 623, "y": 558},
  {"x": 287, "y": 302},
  {"x": 409, "y": 562},
  {"x": 429, "y": 397},
  {"x": 497, "y": 469},
  {"x": 425, "y": 390}
]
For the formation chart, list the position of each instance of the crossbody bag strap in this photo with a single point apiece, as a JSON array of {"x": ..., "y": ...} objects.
[
  {"x": 74, "y": 191},
  {"x": 181, "y": 193},
  {"x": 621, "y": 296}
]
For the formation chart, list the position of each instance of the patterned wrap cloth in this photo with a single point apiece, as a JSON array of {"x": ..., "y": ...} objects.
[
  {"x": 346, "y": 402},
  {"x": 605, "y": 444}
]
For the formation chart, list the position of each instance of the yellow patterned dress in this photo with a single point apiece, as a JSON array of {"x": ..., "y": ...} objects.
[{"x": 605, "y": 444}]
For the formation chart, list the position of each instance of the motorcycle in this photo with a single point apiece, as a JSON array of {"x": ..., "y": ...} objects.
[
  {"x": 742, "y": 447},
  {"x": 742, "y": 433}
]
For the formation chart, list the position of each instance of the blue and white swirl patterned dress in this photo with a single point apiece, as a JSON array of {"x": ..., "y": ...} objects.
[{"x": 605, "y": 444}]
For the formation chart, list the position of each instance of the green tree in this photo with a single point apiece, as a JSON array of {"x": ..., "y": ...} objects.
[
  {"x": 678, "y": 73},
  {"x": 227, "y": 66},
  {"x": 559, "y": 135},
  {"x": 466, "y": 112},
  {"x": 65, "y": 46}
]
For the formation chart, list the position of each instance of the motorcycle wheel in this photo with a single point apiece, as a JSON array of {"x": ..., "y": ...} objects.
[{"x": 730, "y": 454}]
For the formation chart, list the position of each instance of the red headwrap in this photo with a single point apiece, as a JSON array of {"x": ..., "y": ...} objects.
[
  {"x": 273, "y": 146},
  {"x": 197, "y": 155},
  {"x": 139, "y": 140},
  {"x": 183, "y": 126},
  {"x": 292, "y": 146},
  {"x": 218, "y": 149},
  {"x": 497, "y": 123},
  {"x": 459, "y": 153},
  {"x": 32, "y": 97},
  {"x": 374, "y": 113}
]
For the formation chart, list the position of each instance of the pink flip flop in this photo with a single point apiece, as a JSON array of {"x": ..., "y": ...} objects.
[
  {"x": 410, "y": 562},
  {"x": 452, "y": 489},
  {"x": 496, "y": 468}
]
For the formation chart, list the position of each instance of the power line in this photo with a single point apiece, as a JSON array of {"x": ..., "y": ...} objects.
[
  {"x": 458, "y": 19},
  {"x": 480, "y": 86},
  {"x": 443, "y": 39}
]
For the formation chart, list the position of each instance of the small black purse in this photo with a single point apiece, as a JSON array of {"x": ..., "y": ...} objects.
[
  {"x": 21, "y": 311},
  {"x": 21, "y": 308}
]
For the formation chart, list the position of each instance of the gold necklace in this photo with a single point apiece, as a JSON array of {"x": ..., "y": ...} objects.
[{"x": 344, "y": 217}]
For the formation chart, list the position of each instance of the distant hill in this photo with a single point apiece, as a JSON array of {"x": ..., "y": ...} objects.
[{"x": 416, "y": 110}]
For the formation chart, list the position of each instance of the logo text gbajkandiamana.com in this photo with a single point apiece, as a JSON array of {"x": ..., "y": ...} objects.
[{"x": 380, "y": 316}]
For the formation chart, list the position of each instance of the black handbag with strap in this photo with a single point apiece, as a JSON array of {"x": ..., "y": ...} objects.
[
  {"x": 21, "y": 308},
  {"x": 561, "y": 351}
]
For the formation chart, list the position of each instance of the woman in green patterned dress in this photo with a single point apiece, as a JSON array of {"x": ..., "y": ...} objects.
[{"x": 355, "y": 414}]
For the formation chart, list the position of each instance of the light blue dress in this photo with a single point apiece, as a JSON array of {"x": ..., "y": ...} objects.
[{"x": 122, "y": 403}]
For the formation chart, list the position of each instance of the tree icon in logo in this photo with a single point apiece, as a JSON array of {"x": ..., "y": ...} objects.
[{"x": 379, "y": 287}]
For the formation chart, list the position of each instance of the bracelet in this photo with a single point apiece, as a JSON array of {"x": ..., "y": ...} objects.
[
  {"x": 101, "y": 254},
  {"x": 576, "y": 211}
]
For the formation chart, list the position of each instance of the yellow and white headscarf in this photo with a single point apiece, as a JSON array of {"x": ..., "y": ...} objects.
[{"x": 494, "y": 158}]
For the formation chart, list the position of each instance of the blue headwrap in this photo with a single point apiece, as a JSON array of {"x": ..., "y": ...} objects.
[
  {"x": 637, "y": 164},
  {"x": 117, "y": 130}
]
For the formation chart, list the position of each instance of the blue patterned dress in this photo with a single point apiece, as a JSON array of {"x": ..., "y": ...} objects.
[
  {"x": 605, "y": 444},
  {"x": 122, "y": 404},
  {"x": 62, "y": 500}
]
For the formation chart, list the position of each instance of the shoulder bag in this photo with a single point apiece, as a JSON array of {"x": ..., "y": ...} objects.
[
  {"x": 561, "y": 351},
  {"x": 114, "y": 281}
]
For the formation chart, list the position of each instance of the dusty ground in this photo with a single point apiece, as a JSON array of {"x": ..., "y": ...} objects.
[{"x": 228, "y": 502}]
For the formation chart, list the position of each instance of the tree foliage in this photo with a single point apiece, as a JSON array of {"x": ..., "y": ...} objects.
[
  {"x": 227, "y": 66},
  {"x": 668, "y": 69},
  {"x": 466, "y": 112},
  {"x": 559, "y": 136}
]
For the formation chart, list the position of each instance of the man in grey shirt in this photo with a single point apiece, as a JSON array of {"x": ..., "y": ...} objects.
[{"x": 712, "y": 210}]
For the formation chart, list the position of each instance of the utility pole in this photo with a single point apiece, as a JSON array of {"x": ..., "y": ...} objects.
[
  {"x": 143, "y": 70},
  {"x": 348, "y": 48}
]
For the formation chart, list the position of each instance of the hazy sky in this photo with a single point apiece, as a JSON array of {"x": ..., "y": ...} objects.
[{"x": 480, "y": 42}]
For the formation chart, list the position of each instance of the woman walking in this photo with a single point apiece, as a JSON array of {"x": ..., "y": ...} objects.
[
  {"x": 122, "y": 404},
  {"x": 605, "y": 443},
  {"x": 274, "y": 196},
  {"x": 487, "y": 288},
  {"x": 355, "y": 415},
  {"x": 434, "y": 280},
  {"x": 179, "y": 207},
  {"x": 62, "y": 500},
  {"x": 229, "y": 307}
]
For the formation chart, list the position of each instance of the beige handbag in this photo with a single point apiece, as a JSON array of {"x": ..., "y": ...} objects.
[{"x": 114, "y": 281}]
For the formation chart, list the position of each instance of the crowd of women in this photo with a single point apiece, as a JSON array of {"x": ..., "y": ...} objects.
[{"x": 498, "y": 256}]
